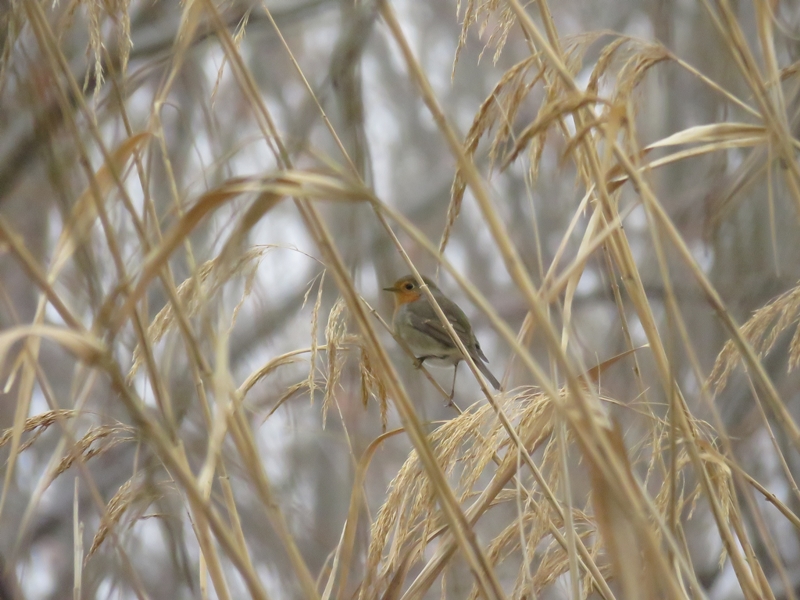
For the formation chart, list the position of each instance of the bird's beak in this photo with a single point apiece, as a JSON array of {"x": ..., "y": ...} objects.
[{"x": 390, "y": 289}]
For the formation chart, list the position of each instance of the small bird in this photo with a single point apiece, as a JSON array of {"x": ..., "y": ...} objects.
[{"x": 418, "y": 325}]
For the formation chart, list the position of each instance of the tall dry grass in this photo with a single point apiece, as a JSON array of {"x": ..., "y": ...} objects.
[{"x": 202, "y": 396}]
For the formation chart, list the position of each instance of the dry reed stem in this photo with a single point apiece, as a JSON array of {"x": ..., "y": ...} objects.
[
  {"x": 514, "y": 265},
  {"x": 410, "y": 420},
  {"x": 57, "y": 63},
  {"x": 458, "y": 443},
  {"x": 74, "y": 342},
  {"x": 622, "y": 158},
  {"x": 485, "y": 307},
  {"x": 39, "y": 424},
  {"x": 762, "y": 331},
  {"x": 312, "y": 362},
  {"x": 335, "y": 333},
  {"x": 636, "y": 71},
  {"x": 210, "y": 277},
  {"x": 445, "y": 471},
  {"x": 117, "y": 506},
  {"x": 681, "y": 415}
]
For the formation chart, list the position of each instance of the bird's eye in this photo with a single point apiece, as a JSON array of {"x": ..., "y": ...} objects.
[{"x": 409, "y": 286}]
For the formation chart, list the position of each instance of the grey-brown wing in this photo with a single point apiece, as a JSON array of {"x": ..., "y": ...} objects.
[
  {"x": 464, "y": 332},
  {"x": 426, "y": 320},
  {"x": 431, "y": 325}
]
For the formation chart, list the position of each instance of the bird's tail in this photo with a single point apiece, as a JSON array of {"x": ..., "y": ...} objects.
[{"x": 488, "y": 374}]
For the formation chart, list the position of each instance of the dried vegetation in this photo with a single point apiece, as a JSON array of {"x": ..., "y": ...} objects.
[{"x": 128, "y": 401}]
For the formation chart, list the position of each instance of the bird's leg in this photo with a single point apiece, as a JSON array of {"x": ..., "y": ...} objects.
[
  {"x": 418, "y": 362},
  {"x": 453, "y": 387}
]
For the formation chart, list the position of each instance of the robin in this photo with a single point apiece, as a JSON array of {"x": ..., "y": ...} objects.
[{"x": 418, "y": 325}]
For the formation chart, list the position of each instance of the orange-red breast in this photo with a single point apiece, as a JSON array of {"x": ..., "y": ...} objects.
[{"x": 416, "y": 323}]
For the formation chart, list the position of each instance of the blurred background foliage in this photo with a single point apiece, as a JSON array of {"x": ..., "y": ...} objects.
[{"x": 79, "y": 80}]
